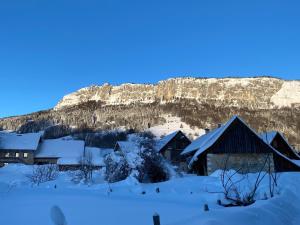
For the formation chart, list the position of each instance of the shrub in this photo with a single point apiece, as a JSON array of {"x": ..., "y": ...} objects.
[
  {"x": 153, "y": 168},
  {"x": 43, "y": 173},
  {"x": 117, "y": 168}
]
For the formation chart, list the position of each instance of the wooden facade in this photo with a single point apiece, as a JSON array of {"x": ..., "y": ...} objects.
[
  {"x": 238, "y": 138},
  {"x": 17, "y": 156},
  {"x": 173, "y": 148},
  {"x": 19, "y": 148},
  {"x": 281, "y": 145}
]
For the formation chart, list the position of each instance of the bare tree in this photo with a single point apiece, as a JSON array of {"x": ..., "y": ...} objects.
[
  {"x": 231, "y": 181},
  {"x": 86, "y": 168},
  {"x": 273, "y": 179},
  {"x": 43, "y": 173}
]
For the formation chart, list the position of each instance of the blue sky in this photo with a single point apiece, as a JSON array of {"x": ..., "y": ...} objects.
[{"x": 50, "y": 48}]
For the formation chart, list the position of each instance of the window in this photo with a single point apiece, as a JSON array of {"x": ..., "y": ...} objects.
[
  {"x": 17, "y": 154},
  {"x": 7, "y": 155},
  {"x": 25, "y": 155}
]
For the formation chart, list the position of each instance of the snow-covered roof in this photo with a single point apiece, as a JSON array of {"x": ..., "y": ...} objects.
[
  {"x": 269, "y": 136},
  {"x": 15, "y": 141},
  {"x": 203, "y": 143},
  {"x": 68, "y": 151},
  {"x": 165, "y": 140},
  {"x": 295, "y": 161},
  {"x": 206, "y": 140},
  {"x": 98, "y": 154}
]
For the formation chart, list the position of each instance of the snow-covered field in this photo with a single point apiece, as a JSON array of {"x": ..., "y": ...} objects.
[{"x": 179, "y": 201}]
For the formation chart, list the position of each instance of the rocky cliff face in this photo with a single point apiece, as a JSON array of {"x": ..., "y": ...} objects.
[
  {"x": 259, "y": 93},
  {"x": 265, "y": 103}
]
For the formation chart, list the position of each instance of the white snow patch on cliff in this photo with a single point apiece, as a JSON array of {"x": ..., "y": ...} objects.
[
  {"x": 288, "y": 94},
  {"x": 174, "y": 123}
]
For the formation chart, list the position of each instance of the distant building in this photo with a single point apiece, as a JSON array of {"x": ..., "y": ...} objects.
[
  {"x": 18, "y": 148},
  {"x": 171, "y": 147},
  {"x": 30, "y": 149},
  {"x": 65, "y": 153},
  {"x": 235, "y": 145}
]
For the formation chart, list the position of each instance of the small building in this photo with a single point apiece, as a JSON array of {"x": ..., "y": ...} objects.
[
  {"x": 171, "y": 147},
  {"x": 280, "y": 143},
  {"x": 65, "y": 153},
  {"x": 18, "y": 148},
  {"x": 235, "y": 145}
]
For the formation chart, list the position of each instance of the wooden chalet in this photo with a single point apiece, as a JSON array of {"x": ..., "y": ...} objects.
[
  {"x": 18, "y": 148},
  {"x": 237, "y": 145},
  {"x": 171, "y": 147}
]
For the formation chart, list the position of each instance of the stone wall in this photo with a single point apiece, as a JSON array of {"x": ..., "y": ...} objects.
[{"x": 244, "y": 163}]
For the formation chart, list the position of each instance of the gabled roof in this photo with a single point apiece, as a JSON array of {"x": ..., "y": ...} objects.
[
  {"x": 206, "y": 140},
  {"x": 15, "y": 141},
  {"x": 67, "y": 151},
  {"x": 202, "y": 144},
  {"x": 165, "y": 140},
  {"x": 269, "y": 136}
]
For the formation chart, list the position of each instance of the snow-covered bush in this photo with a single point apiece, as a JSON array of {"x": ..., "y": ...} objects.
[
  {"x": 117, "y": 168},
  {"x": 153, "y": 168},
  {"x": 141, "y": 161},
  {"x": 43, "y": 173}
]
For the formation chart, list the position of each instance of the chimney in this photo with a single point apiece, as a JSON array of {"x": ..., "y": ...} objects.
[
  {"x": 219, "y": 125},
  {"x": 206, "y": 130}
]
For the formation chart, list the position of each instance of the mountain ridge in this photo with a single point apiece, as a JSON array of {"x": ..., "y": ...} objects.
[
  {"x": 278, "y": 91},
  {"x": 265, "y": 103}
]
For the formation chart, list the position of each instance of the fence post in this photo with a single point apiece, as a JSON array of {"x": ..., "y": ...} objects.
[
  {"x": 206, "y": 207},
  {"x": 156, "y": 219}
]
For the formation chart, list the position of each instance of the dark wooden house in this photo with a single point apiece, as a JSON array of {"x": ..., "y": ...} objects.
[
  {"x": 238, "y": 146},
  {"x": 171, "y": 147}
]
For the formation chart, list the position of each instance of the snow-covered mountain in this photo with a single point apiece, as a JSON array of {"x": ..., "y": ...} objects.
[
  {"x": 190, "y": 104},
  {"x": 259, "y": 92}
]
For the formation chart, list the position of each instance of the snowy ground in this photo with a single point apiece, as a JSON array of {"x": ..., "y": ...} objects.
[{"x": 179, "y": 202}]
